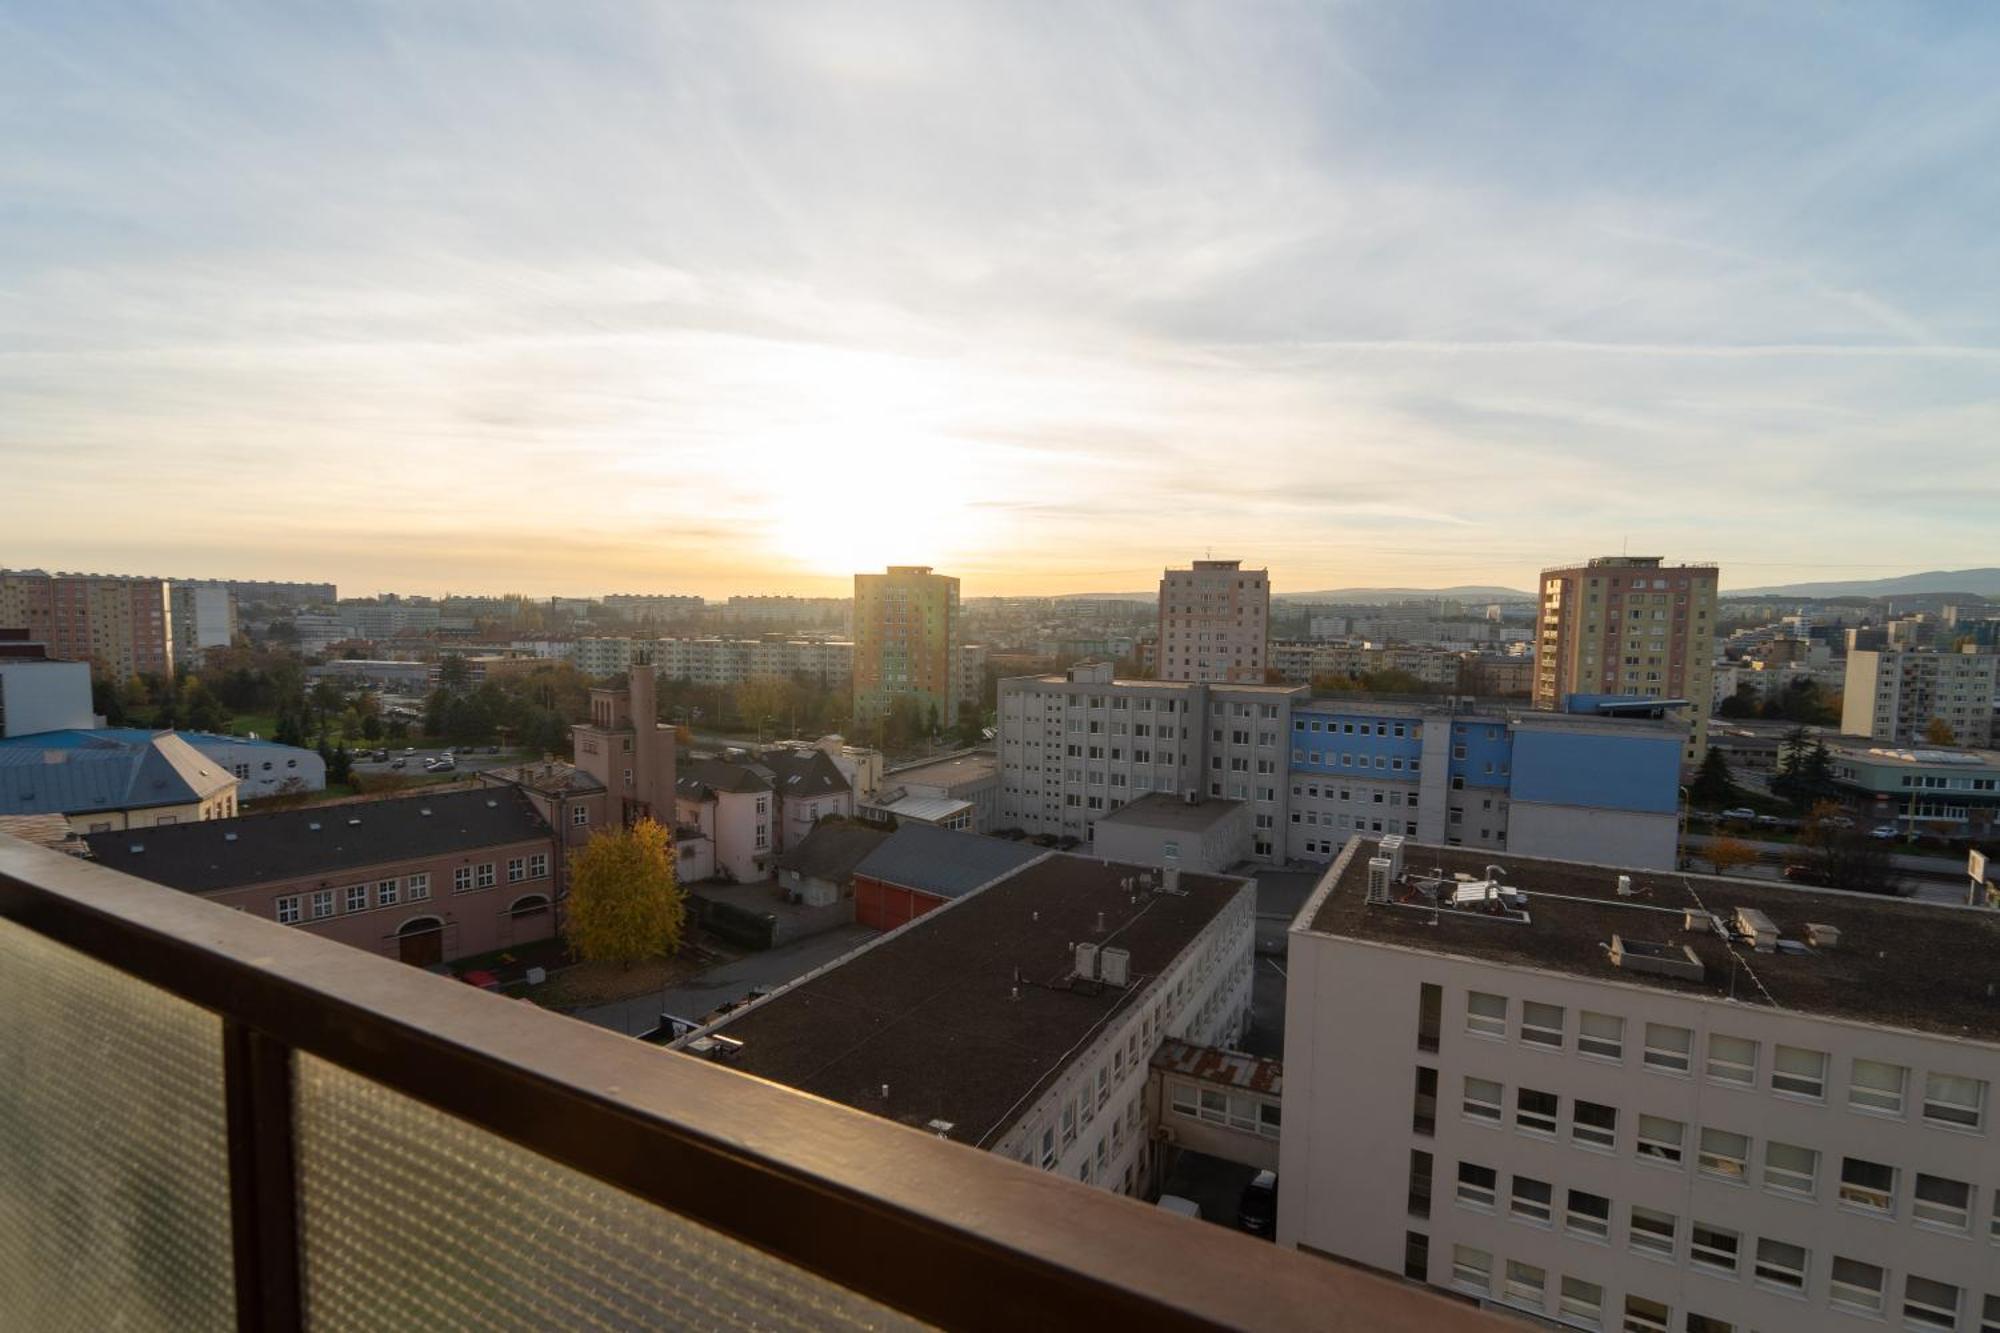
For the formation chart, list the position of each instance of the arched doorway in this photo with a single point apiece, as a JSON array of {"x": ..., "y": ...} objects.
[
  {"x": 420, "y": 941},
  {"x": 529, "y": 918}
]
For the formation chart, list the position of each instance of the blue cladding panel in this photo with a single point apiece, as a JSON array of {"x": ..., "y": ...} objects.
[
  {"x": 1359, "y": 752},
  {"x": 1488, "y": 747},
  {"x": 1608, "y": 771}
]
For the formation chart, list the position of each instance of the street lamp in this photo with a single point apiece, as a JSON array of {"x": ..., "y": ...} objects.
[{"x": 1680, "y": 834}]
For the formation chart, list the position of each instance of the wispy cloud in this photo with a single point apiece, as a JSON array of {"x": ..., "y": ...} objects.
[{"x": 732, "y": 298}]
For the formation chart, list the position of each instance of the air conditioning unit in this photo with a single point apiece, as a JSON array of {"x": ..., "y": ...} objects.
[
  {"x": 1115, "y": 966},
  {"x": 1086, "y": 961},
  {"x": 1164, "y": 1133},
  {"x": 1378, "y": 879}
]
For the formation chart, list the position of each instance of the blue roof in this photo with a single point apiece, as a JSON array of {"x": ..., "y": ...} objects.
[
  {"x": 118, "y": 768},
  {"x": 944, "y": 862}
]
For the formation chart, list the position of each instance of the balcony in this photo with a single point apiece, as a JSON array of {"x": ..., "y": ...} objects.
[{"x": 209, "y": 1120}]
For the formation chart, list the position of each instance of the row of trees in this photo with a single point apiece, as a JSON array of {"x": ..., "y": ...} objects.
[{"x": 1803, "y": 700}]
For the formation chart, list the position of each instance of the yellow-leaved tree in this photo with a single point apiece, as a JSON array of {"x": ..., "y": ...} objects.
[{"x": 624, "y": 903}]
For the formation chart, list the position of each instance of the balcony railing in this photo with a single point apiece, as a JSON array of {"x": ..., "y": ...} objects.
[{"x": 210, "y": 1119}]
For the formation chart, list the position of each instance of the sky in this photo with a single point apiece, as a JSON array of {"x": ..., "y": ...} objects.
[{"x": 612, "y": 297}]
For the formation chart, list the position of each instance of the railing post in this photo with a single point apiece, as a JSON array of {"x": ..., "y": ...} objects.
[{"x": 263, "y": 1180}]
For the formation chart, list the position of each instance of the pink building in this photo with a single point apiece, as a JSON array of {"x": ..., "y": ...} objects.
[
  {"x": 423, "y": 878},
  {"x": 628, "y": 749}
]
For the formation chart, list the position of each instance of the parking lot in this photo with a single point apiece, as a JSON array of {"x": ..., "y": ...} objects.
[{"x": 466, "y": 759}]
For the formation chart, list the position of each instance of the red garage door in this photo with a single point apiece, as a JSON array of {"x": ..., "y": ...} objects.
[{"x": 886, "y": 906}]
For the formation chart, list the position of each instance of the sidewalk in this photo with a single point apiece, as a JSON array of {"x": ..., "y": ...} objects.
[{"x": 730, "y": 981}]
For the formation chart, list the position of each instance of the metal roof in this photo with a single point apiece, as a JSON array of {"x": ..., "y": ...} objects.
[
  {"x": 945, "y": 863},
  {"x": 76, "y": 772}
]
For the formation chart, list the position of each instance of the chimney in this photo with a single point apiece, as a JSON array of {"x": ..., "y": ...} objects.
[{"x": 1170, "y": 880}]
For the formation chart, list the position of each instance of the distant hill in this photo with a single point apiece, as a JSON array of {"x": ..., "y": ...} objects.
[
  {"x": 1972, "y": 582},
  {"x": 1366, "y": 596}
]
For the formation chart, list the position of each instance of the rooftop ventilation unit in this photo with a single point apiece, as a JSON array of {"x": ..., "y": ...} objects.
[
  {"x": 1695, "y": 921},
  {"x": 138, "y": 847},
  {"x": 425, "y": 811},
  {"x": 1392, "y": 847},
  {"x": 1115, "y": 966},
  {"x": 941, "y": 1128},
  {"x": 1663, "y": 960},
  {"x": 1086, "y": 962},
  {"x": 1380, "y": 875},
  {"x": 1822, "y": 935},
  {"x": 313, "y": 827},
  {"x": 1757, "y": 928},
  {"x": 354, "y": 823},
  {"x": 1624, "y": 886},
  {"x": 229, "y": 837},
  {"x": 1170, "y": 880}
]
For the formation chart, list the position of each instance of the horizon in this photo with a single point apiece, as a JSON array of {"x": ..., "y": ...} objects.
[{"x": 713, "y": 300}]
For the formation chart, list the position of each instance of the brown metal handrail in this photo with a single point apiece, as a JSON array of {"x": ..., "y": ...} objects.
[{"x": 941, "y": 1231}]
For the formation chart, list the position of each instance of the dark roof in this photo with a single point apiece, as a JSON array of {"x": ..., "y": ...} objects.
[
  {"x": 833, "y": 849},
  {"x": 929, "y": 1009},
  {"x": 944, "y": 863},
  {"x": 204, "y": 857},
  {"x": 700, "y": 778},
  {"x": 1922, "y": 966},
  {"x": 1164, "y": 810},
  {"x": 802, "y": 773}
]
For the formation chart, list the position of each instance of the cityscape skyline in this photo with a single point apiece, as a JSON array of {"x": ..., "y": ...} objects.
[{"x": 753, "y": 299}]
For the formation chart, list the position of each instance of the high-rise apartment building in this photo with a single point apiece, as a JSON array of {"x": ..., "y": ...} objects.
[
  {"x": 1215, "y": 620},
  {"x": 122, "y": 626},
  {"x": 204, "y": 618},
  {"x": 906, "y": 644},
  {"x": 1894, "y": 695},
  {"x": 1629, "y": 624},
  {"x": 1651, "y": 1102}
]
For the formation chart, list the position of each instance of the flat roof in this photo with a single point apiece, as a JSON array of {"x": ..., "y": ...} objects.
[
  {"x": 1164, "y": 810},
  {"x": 1921, "y": 966},
  {"x": 972, "y": 766},
  {"x": 930, "y": 1011},
  {"x": 207, "y": 856}
]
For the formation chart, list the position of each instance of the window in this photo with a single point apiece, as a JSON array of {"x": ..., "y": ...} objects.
[
  {"x": 1535, "y": 1112},
  {"x": 1799, "y": 1072},
  {"x": 1660, "y": 1139},
  {"x": 1593, "y": 1126},
  {"x": 1533, "y": 1200},
  {"x": 1942, "y": 1203},
  {"x": 1485, "y": 1015},
  {"x": 387, "y": 892},
  {"x": 538, "y": 866},
  {"x": 1701, "y": 1323},
  {"x": 1958, "y": 1103},
  {"x": 1049, "y": 1148},
  {"x": 484, "y": 874},
  {"x": 1482, "y": 1099},
  {"x": 1214, "y": 1106},
  {"x": 1724, "y": 1154},
  {"x": 418, "y": 886},
  {"x": 1653, "y": 1231},
  {"x": 1477, "y": 1185},
  {"x": 1581, "y": 1302},
  {"x": 1989, "y": 1318},
  {"x": 579, "y": 815},
  {"x": 1068, "y": 1123},
  {"x": 1781, "y": 1264},
  {"x": 1588, "y": 1215},
  {"x": 357, "y": 897},
  {"x": 322, "y": 903},
  {"x": 1430, "y": 1005},
  {"x": 1525, "y": 1285},
  {"x": 1877, "y": 1087},
  {"x": 1542, "y": 1024},
  {"x": 461, "y": 879},
  {"x": 1600, "y": 1035},
  {"x": 1731, "y": 1060},
  {"x": 517, "y": 869},
  {"x": 1713, "y": 1248},
  {"x": 1183, "y": 1097},
  {"x": 288, "y": 910},
  {"x": 1790, "y": 1169},
  {"x": 1667, "y": 1047},
  {"x": 1471, "y": 1269},
  {"x": 1928, "y": 1304},
  {"x": 1856, "y": 1285},
  {"x": 1868, "y": 1186},
  {"x": 1644, "y": 1316}
]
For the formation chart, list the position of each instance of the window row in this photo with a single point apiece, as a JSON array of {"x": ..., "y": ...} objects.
[
  {"x": 291, "y": 908},
  {"x": 1874, "y": 1087}
]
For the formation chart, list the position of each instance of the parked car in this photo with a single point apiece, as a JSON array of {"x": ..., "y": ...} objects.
[
  {"x": 1174, "y": 1203},
  {"x": 1885, "y": 832},
  {"x": 1742, "y": 812},
  {"x": 1769, "y": 821},
  {"x": 381, "y": 756},
  {"x": 1837, "y": 821},
  {"x": 399, "y": 762},
  {"x": 493, "y": 749},
  {"x": 444, "y": 763},
  {"x": 1804, "y": 875},
  {"x": 1257, "y": 1211}
]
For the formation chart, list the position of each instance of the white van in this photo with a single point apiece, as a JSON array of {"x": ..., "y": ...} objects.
[{"x": 1175, "y": 1204}]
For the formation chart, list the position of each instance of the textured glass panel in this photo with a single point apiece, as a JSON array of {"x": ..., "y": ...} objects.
[
  {"x": 114, "y": 1172},
  {"x": 416, "y": 1219}
]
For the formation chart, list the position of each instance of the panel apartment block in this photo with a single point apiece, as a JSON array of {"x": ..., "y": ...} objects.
[{"x": 1215, "y": 620}]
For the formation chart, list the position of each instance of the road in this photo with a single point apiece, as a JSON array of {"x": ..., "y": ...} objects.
[
  {"x": 413, "y": 764},
  {"x": 729, "y": 981},
  {"x": 1937, "y": 879}
]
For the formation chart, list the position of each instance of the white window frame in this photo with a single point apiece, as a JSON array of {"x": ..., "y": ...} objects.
[
  {"x": 1596, "y": 1138},
  {"x": 1948, "y": 1113},
  {"x": 1478, "y": 1197},
  {"x": 1668, "y": 1059},
  {"x": 1643, "y": 1321},
  {"x": 1478, "y": 1108},
  {"x": 1580, "y": 1301},
  {"x": 1607, "y": 1042},
  {"x": 1466, "y": 1272},
  {"x": 357, "y": 897},
  {"x": 483, "y": 876},
  {"x": 1927, "y": 1313},
  {"x": 322, "y": 904},
  {"x": 1731, "y": 1069},
  {"x": 1776, "y": 1272},
  {"x": 1535, "y": 1123},
  {"x": 1526, "y": 1208},
  {"x": 1589, "y": 1225},
  {"x": 1789, "y": 1180},
  {"x": 1850, "y": 1295},
  {"x": 388, "y": 892},
  {"x": 1936, "y": 1214},
  {"x": 1518, "y": 1288},
  {"x": 1656, "y": 1147},
  {"x": 1648, "y": 1239},
  {"x": 418, "y": 887},
  {"x": 1539, "y": 1033},
  {"x": 1797, "y": 1082},
  {"x": 1876, "y": 1098},
  {"x": 1712, "y": 1257},
  {"x": 1487, "y": 1025},
  {"x": 287, "y": 909},
  {"x": 1873, "y": 1200}
]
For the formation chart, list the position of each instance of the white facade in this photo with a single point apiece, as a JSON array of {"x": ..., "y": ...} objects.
[
  {"x": 38, "y": 695},
  {"x": 1075, "y": 746},
  {"x": 1215, "y": 620},
  {"x": 262, "y": 768},
  {"x": 1620, "y": 1155},
  {"x": 735, "y": 661},
  {"x": 204, "y": 618},
  {"x": 738, "y": 826},
  {"x": 384, "y": 620},
  {"x": 1093, "y": 1125},
  {"x": 1893, "y": 695}
]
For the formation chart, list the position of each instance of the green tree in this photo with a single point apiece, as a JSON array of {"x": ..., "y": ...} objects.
[
  {"x": 1939, "y": 732},
  {"x": 105, "y": 698},
  {"x": 1713, "y": 787},
  {"x": 624, "y": 902},
  {"x": 201, "y": 711},
  {"x": 453, "y": 674},
  {"x": 1850, "y": 859}
]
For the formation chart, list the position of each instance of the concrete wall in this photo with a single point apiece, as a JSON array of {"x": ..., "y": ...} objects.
[
  {"x": 264, "y": 769},
  {"x": 1208, "y": 851},
  {"x": 1607, "y": 837},
  {"x": 44, "y": 696},
  {"x": 1195, "y": 1131}
]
